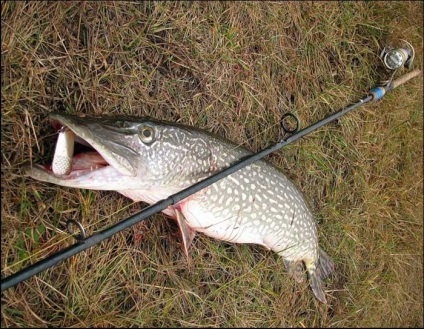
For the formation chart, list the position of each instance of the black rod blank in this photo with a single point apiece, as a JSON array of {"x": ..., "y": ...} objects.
[{"x": 88, "y": 242}]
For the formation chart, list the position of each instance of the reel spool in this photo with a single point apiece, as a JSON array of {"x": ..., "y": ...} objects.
[{"x": 395, "y": 58}]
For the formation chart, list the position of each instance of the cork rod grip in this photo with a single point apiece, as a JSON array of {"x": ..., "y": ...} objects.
[{"x": 404, "y": 78}]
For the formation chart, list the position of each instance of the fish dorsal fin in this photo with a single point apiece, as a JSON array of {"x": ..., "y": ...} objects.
[{"x": 187, "y": 232}]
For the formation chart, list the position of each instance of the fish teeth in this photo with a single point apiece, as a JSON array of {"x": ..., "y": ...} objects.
[{"x": 62, "y": 159}]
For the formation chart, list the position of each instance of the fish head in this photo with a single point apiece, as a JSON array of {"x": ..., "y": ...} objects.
[{"x": 130, "y": 153}]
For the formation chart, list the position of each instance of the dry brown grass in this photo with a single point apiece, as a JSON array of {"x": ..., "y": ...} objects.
[{"x": 233, "y": 69}]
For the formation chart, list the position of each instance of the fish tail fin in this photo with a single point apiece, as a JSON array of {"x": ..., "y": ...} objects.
[
  {"x": 319, "y": 273},
  {"x": 325, "y": 264}
]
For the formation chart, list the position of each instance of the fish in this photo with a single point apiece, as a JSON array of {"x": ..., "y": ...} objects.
[{"x": 148, "y": 160}]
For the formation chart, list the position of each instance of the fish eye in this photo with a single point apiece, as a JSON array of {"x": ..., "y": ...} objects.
[{"x": 147, "y": 134}]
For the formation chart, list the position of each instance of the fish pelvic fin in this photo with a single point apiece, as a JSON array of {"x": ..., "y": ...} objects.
[{"x": 187, "y": 233}]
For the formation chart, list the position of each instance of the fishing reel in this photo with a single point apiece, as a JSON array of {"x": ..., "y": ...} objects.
[{"x": 395, "y": 58}]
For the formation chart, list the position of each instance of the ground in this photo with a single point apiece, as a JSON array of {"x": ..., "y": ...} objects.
[{"x": 231, "y": 68}]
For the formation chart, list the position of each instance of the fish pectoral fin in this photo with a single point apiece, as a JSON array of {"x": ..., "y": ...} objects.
[{"x": 187, "y": 233}]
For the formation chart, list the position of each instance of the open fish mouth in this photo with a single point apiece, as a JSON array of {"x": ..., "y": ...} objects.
[
  {"x": 67, "y": 164},
  {"x": 85, "y": 149}
]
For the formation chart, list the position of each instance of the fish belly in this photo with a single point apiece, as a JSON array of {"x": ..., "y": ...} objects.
[{"x": 256, "y": 205}]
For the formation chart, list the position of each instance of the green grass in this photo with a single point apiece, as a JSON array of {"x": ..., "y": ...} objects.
[{"x": 232, "y": 69}]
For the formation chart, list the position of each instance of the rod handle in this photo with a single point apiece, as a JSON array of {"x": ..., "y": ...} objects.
[{"x": 404, "y": 78}]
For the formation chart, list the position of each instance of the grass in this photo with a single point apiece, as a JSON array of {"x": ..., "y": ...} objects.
[{"x": 233, "y": 69}]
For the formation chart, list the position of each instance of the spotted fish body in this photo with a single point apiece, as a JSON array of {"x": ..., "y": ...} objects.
[{"x": 148, "y": 160}]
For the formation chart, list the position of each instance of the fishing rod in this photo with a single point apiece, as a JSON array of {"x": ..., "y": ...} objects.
[{"x": 290, "y": 126}]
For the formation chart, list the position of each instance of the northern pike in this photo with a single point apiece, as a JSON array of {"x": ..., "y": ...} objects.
[{"x": 148, "y": 160}]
